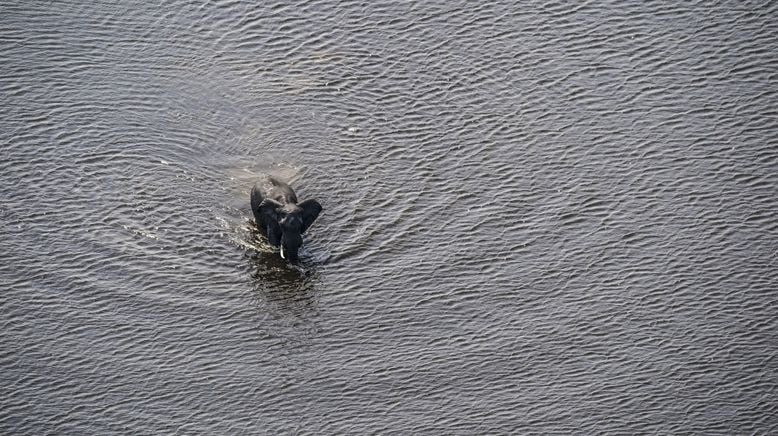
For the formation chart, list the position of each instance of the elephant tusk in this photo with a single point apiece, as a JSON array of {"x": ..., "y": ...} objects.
[{"x": 282, "y": 252}]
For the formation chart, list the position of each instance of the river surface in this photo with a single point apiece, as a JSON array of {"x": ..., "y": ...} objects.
[{"x": 538, "y": 218}]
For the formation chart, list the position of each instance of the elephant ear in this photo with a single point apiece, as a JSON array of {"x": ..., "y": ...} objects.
[
  {"x": 311, "y": 209},
  {"x": 268, "y": 210}
]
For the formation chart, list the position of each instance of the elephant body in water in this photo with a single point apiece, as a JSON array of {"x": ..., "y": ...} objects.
[{"x": 280, "y": 217}]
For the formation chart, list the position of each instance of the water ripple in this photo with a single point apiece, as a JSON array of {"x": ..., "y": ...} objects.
[{"x": 548, "y": 219}]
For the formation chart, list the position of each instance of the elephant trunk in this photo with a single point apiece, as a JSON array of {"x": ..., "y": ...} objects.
[{"x": 289, "y": 247}]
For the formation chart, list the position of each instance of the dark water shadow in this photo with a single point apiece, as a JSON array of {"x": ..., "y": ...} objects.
[{"x": 286, "y": 294}]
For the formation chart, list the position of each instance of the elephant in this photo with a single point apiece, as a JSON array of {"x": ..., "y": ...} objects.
[{"x": 280, "y": 217}]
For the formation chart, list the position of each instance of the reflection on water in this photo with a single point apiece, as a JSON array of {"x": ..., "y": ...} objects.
[{"x": 283, "y": 291}]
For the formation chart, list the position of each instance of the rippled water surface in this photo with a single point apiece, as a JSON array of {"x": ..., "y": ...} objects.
[{"x": 544, "y": 217}]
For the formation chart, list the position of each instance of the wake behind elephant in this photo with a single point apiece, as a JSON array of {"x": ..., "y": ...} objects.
[{"x": 280, "y": 217}]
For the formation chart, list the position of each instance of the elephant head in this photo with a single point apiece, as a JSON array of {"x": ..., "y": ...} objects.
[{"x": 286, "y": 223}]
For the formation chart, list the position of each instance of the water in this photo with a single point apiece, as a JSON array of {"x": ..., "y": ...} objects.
[{"x": 538, "y": 218}]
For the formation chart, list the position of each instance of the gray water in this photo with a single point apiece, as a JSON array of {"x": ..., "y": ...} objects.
[{"x": 539, "y": 218}]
